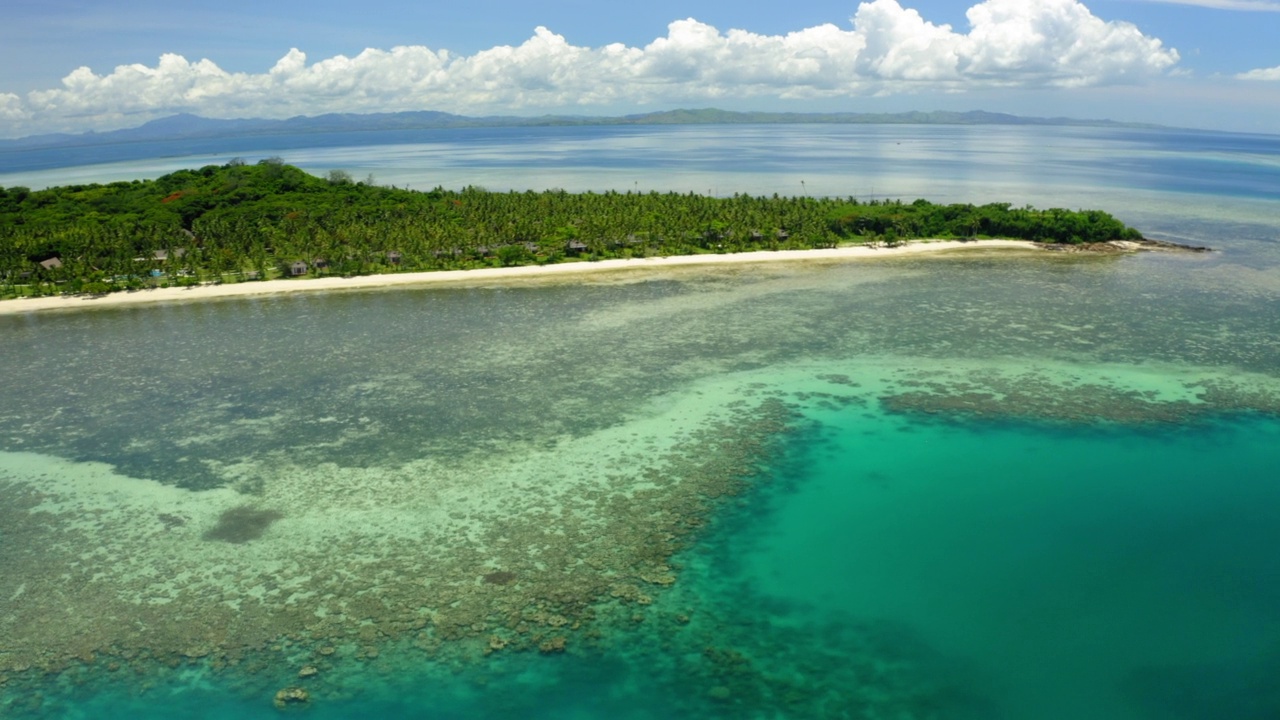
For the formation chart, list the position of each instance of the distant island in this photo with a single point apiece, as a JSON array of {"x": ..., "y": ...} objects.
[
  {"x": 193, "y": 127},
  {"x": 243, "y": 222}
]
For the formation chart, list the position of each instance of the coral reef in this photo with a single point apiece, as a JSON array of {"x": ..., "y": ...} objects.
[
  {"x": 291, "y": 697},
  {"x": 242, "y": 524},
  {"x": 169, "y": 603},
  {"x": 1049, "y": 397}
]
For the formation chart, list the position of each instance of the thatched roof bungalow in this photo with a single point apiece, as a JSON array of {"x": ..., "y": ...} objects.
[{"x": 163, "y": 255}]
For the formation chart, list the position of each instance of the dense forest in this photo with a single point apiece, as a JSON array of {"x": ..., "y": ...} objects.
[{"x": 239, "y": 222}]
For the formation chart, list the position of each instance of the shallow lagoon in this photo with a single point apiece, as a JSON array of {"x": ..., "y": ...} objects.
[{"x": 991, "y": 486}]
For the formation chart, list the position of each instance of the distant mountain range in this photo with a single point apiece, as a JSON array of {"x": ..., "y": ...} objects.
[{"x": 190, "y": 127}]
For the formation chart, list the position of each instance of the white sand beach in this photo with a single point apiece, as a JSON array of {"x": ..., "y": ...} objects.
[{"x": 484, "y": 275}]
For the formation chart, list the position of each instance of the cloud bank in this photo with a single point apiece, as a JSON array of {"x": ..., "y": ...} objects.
[
  {"x": 1259, "y": 74},
  {"x": 888, "y": 49}
]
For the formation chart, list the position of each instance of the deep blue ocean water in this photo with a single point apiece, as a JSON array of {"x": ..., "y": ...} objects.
[{"x": 1052, "y": 530}]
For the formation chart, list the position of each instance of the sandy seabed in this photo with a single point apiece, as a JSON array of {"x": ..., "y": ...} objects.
[{"x": 464, "y": 277}]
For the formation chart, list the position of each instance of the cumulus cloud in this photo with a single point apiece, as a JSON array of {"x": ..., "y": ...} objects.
[
  {"x": 887, "y": 49},
  {"x": 1259, "y": 74},
  {"x": 11, "y": 108}
]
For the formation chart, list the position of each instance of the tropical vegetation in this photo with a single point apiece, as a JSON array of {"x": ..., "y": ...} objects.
[{"x": 239, "y": 222}]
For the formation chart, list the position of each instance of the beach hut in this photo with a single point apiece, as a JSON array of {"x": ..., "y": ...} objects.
[
  {"x": 298, "y": 268},
  {"x": 163, "y": 255},
  {"x": 575, "y": 246},
  {"x": 52, "y": 263},
  {"x": 394, "y": 257}
]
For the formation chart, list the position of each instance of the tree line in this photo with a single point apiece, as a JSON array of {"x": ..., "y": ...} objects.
[{"x": 238, "y": 222}]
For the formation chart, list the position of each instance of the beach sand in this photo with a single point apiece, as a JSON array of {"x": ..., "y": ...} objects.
[{"x": 485, "y": 275}]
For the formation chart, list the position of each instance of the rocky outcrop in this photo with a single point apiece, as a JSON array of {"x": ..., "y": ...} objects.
[{"x": 291, "y": 697}]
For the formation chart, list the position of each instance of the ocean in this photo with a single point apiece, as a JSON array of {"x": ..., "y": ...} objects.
[{"x": 984, "y": 485}]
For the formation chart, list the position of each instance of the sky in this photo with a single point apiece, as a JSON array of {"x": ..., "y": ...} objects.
[{"x": 80, "y": 65}]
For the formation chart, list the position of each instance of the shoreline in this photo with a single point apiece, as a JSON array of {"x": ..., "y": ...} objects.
[{"x": 462, "y": 277}]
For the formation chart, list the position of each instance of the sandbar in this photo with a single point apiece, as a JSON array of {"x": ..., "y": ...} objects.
[{"x": 484, "y": 275}]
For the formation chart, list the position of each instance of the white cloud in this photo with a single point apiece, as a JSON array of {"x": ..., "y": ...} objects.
[
  {"x": 888, "y": 49},
  {"x": 1259, "y": 74},
  {"x": 11, "y": 107}
]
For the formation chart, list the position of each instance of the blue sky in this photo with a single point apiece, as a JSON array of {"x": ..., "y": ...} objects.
[{"x": 75, "y": 65}]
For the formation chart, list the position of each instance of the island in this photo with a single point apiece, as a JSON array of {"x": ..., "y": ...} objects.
[{"x": 243, "y": 223}]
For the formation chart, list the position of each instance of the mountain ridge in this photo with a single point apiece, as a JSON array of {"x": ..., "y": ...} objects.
[{"x": 188, "y": 126}]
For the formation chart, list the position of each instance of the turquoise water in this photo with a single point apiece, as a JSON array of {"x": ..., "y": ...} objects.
[
  {"x": 975, "y": 486},
  {"x": 1032, "y": 571},
  {"x": 1105, "y": 573}
]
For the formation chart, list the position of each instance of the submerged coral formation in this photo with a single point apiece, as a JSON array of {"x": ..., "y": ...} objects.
[
  {"x": 242, "y": 524},
  {"x": 572, "y": 553},
  {"x": 1058, "y": 396},
  {"x": 365, "y": 559}
]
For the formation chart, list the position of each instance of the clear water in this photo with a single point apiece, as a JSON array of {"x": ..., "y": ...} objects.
[
  {"x": 1105, "y": 574},
  {"x": 980, "y": 486}
]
